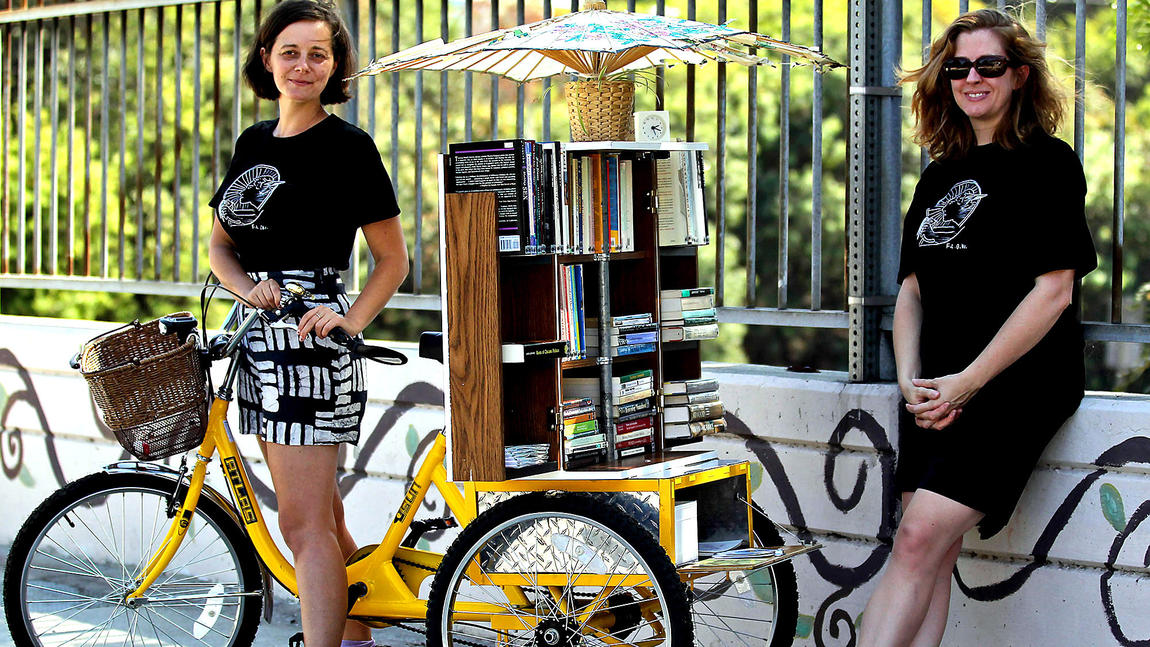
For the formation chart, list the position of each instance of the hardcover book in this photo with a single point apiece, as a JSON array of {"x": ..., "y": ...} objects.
[
  {"x": 690, "y": 386},
  {"x": 693, "y": 412},
  {"x": 533, "y": 350}
]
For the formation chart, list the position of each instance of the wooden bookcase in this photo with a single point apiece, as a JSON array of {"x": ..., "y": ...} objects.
[{"x": 491, "y": 299}]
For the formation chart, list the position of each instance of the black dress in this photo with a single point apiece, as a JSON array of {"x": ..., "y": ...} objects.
[
  {"x": 292, "y": 206},
  {"x": 978, "y": 232}
]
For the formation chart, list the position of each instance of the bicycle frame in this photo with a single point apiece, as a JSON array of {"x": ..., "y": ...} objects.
[{"x": 388, "y": 595}]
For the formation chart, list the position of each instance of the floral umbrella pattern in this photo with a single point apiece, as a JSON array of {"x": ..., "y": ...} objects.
[{"x": 594, "y": 43}]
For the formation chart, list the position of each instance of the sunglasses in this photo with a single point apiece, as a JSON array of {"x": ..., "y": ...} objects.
[{"x": 988, "y": 67}]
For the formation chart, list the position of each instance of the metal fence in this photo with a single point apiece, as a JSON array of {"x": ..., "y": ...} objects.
[{"x": 119, "y": 115}]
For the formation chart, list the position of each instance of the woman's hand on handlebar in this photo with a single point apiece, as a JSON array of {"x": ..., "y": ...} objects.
[
  {"x": 265, "y": 294},
  {"x": 322, "y": 320}
]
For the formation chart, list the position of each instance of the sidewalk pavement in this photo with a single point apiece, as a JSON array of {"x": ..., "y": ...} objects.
[{"x": 285, "y": 623}]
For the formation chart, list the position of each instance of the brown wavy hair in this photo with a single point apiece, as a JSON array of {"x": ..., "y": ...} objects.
[
  {"x": 1035, "y": 108},
  {"x": 338, "y": 88}
]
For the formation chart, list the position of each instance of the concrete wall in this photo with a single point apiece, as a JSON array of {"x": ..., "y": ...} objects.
[{"x": 1068, "y": 570}]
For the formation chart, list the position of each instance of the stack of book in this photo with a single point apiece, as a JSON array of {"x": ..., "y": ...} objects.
[
  {"x": 583, "y": 440},
  {"x": 688, "y": 314},
  {"x": 520, "y": 456},
  {"x": 572, "y": 327},
  {"x": 692, "y": 408},
  {"x": 634, "y": 412},
  {"x": 629, "y": 335}
]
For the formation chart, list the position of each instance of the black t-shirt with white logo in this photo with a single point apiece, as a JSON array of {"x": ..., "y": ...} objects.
[
  {"x": 297, "y": 202},
  {"x": 978, "y": 232}
]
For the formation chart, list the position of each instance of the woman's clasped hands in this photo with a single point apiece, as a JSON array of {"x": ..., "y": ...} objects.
[{"x": 938, "y": 402}]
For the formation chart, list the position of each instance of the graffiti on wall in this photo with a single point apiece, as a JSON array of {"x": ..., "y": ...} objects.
[{"x": 833, "y": 622}]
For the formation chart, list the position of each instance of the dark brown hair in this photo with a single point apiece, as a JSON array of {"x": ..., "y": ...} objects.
[
  {"x": 1035, "y": 108},
  {"x": 338, "y": 89}
]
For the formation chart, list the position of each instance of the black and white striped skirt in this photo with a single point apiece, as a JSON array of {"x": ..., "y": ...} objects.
[{"x": 294, "y": 392}]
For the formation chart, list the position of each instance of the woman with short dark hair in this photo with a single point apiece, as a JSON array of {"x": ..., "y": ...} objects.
[
  {"x": 299, "y": 189},
  {"x": 987, "y": 338}
]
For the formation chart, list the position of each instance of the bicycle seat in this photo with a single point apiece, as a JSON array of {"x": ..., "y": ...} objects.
[{"x": 431, "y": 345}]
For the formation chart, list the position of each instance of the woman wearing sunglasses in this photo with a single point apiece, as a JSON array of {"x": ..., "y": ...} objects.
[{"x": 987, "y": 337}]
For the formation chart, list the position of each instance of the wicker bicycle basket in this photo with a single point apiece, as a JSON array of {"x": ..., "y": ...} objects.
[
  {"x": 601, "y": 110},
  {"x": 150, "y": 387}
]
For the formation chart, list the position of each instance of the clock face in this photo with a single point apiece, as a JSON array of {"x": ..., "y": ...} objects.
[{"x": 652, "y": 127}]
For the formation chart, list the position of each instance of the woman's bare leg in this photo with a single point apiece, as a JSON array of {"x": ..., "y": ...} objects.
[
  {"x": 352, "y": 630},
  {"x": 304, "y": 479},
  {"x": 930, "y": 527}
]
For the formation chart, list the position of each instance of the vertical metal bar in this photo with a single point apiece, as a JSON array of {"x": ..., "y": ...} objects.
[
  {"x": 443, "y": 119},
  {"x": 395, "y": 96},
  {"x": 494, "y": 78},
  {"x": 106, "y": 24},
  {"x": 963, "y": 6},
  {"x": 923, "y": 155},
  {"x": 71, "y": 229},
  {"x": 1118, "y": 240},
  {"x": 37, "y": 128},
  {"x": 158, "y": 149},
  {"x": 873, "y": 194},
  {"x": 237, "y": 80},
  {"x": 1080, "y": 78},
  {"x": 546, "y": 101},
  {"x": 660, "y": 72},
  {"x": 690, "y": 130},
  {"x": 122, "y": 193},
  {"x": 417, "y": 265},
  {"x": 1040, "y": 20},
  {"x": 21, "y": 152},
  {"x": 784, "y": 161},
  {"x": 351, "y": 109},
  {"x": 720, "y": 171},
  {"x": 177, "y": 143},
  {"x": 141, "y": 93},
  {"x": 5, "y": 107},
  {"x": 217, "y": 112},
  {"x": 752, "y": 218},
  {"x": 54, "y": 195},
  {"x": 817, "y": 170},
  {"x": 468, "y": 82},
  {"x": 519, "y": 90},
  {"x": 372, "y": 24},
  {"x": 196, "y": 101},
  {"x": 373, "y": 15},
  {"x": 88, "y": 74},
  {"x": 352, "y": 105}
]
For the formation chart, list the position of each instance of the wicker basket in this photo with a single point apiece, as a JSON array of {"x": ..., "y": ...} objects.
[
  {"x": 601, "y": 110},
  {"x": 150, "y": 387}
]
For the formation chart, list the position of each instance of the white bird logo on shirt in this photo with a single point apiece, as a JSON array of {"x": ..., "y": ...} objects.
[
  {"x": 244, "y": 201},
  {"x": 947, "y": 217}
]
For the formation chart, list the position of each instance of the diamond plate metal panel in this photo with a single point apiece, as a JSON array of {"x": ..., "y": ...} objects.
[{"x": 642, "y": 507}]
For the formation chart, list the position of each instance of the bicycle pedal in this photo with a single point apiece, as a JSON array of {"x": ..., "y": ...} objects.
[{"x": 361, "y": 553}]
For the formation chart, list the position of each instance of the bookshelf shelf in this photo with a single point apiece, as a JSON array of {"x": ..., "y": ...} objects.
[
  {"x": 493, "y": 297},
  {"x": 636, "y": 146}
]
